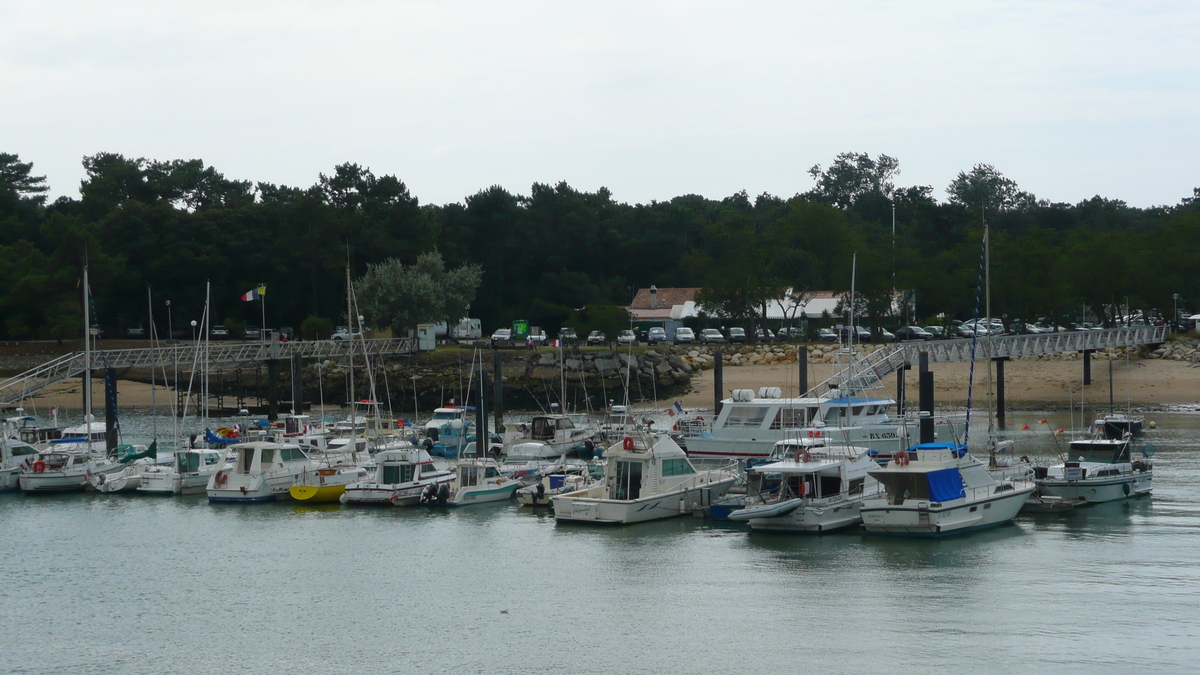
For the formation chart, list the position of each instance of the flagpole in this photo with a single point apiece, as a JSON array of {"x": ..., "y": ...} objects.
[{"x": 262, "y": 333}]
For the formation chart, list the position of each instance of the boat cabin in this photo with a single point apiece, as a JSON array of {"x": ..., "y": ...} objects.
[
  {"x": 745, "y": 411},
  {"x": 471, "y": 474},
  {"x": 635, "y": 470},
  {"x": 262, "y": 457},
  {"x": 195, "y": 461},
  {"x": 550, "y": 427},
  {"x": 404, "y": 466},
  {"x": 815, "y": 480},
  {"x": 1100, "y": 451},
  {"x": 84, "y": 433},
  {"x": 61, "y": 461}
]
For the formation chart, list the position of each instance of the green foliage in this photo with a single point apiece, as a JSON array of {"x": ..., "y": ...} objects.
[
  {"x": 316, "y": 328},
  {"x": 402, "y": 296},
  {"x": 610, "y": 319}
]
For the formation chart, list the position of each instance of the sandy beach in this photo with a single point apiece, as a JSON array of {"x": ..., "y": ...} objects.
[{"x": 1150, "y": 383}]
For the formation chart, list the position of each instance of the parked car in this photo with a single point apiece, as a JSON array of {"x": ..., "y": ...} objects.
[
  {"x": 218, "y": 333},
  {"x": 969, "y": 330},
  {"x": 567, "y": 335},
  {"x": 343, "y": 333},
  {"x": 501, "y": 336},
  {"x": 710, "y": 336},
  {"x": 737, "y": 334},
  {"x": 656, "y": 335},
  {"x": 596, "y": 337},
  {"x": 251, "y": 332},
  {"x": 913, "y": 333},
  {"x": 536, "y": 339},
  {"x": 826, "y": 335},
  {"x": 764, "y": 335},
  {"x": 135, "y": 332},
  {"x": 938, "y": 332},
  {"x": 860, "y": 334},
  {"x": 886, "y": 335},
  {"x": 684, "y": 335},
  {"x": 626, "y": 337}
]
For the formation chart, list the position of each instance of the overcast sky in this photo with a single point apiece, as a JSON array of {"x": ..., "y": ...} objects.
[{"x": 650, "y": 99}]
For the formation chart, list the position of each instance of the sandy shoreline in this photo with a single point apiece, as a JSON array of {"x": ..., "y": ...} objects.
[{"x": 1151, "y": 383}]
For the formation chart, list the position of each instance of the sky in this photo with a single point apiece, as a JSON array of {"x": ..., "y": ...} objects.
[{"x": 651, "y": 99}]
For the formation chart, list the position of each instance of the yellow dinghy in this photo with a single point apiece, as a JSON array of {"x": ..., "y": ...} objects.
[{"x": 325, "y": 485}]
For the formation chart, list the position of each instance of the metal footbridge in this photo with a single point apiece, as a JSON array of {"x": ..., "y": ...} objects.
[
  {"x": 31, "y": 381},
  {"x": 866, "y": 373}
]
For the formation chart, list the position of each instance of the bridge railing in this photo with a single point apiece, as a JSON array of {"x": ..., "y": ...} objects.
[{"x": 68, "y": 365}]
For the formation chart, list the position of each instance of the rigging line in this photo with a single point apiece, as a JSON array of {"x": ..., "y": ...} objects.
[{"x": 974, "y": 341}]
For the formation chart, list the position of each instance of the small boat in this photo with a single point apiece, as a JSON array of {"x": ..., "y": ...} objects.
[
  {"x": 550, "y": 436},
  {"x": 552, "y": 481},
  {"x": 1050, "y": 504},
  {"x": 646, "y": 477},
  {"x": 1115, "y": 425},
  {"x": 15, "y": 455},
  {"x": 402, "y": 476},
  {"x": 450, "y": 431},
  {"x": 818, "y": 489},
  {"x": 64, "y": 470},
  {"x": 137, "y": 459},
  {"x": 188, "y": 473},
  {"x": 937, "y": 489},
  {"x": 476, "y": 481},
  {"x": 1098, "y": 470},
  {"x": 261, "y": 471},
  {"x": 326, "y": 483}
]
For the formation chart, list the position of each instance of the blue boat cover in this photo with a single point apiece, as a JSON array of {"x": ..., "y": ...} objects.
[
  {"x": 556, "y": 481},
  {"x": 210, "y": 437},
  {"x": 944, "y": 485},
  {"x": 958, "y": 448}
]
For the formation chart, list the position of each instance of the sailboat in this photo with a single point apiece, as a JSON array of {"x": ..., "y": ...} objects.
[{"x": 72, "y": 460}]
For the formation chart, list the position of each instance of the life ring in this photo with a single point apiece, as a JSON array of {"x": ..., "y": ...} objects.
[
  {"x": 220, "y": 478},
  {"x": 628, "y": 443},
  {"x": 39, "y": 466},
  {"x": 803, "y": 455},
  {"x": 900, "y": 458}
]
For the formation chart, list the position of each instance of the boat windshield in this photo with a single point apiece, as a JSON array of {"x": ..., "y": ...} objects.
[
  {"x": 746, "y": 416},
  {"x": 397, "y": 473},
  {"x": 1108, "y": 453},
  {"x": 186, "y": 462},
  {"x": 447, "y": 415}
]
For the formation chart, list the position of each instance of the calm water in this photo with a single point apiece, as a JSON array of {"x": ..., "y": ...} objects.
[{"x": 130, "y": 584}]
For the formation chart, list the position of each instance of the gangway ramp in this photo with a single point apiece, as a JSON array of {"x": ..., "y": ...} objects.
[
  {"x": 31, "y": 381},
  {"x": 867, "y": 373}
]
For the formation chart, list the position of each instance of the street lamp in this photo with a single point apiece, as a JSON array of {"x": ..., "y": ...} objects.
[
  {"x": 1175, "y": 317},
  {"x": 193, "y": 330},
  {"x": 170, "y": 331}
]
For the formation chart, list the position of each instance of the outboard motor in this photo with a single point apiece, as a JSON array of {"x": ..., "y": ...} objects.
[
  {"x": 429, "y": 493},
  {"x": 540, "y": 490},
  {"x": 443, "y": 493},
  {"x": 428, "y": 443},
  {"x": 432, "y": 432},
  {"x": 589, "y": 449}
]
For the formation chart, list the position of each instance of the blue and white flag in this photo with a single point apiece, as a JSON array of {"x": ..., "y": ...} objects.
[{"x": 678, "y": 406}]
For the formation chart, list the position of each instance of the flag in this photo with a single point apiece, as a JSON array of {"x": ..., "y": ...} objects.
[
  {"x": 254, "y": 294},
  {"x": 1024, "y": 427},
  {"x": 1060, "y": 430},
  {"x": 678, "y": 407},
  {"x": 1043, "y": 421}
]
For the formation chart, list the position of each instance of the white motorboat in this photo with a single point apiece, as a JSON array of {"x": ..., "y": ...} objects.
[
  {"x": 1116, "y": 425},
  {"x": 550, "y": 437},
  {"x": 749, "y": 426},
  {"x": 556, "y": 479},
  {"x": 402, "y": 475},
  {"x": 1097, "y": 470},
  {"x": 617, "y": 424},
  {"x": 136, "y": 460},
  {"x": 646, "y": 477},
  {"x": 261, "y": 471},
  {"x": 188, "y": 474},
  {"x": 817, "y": 489},
  {"x": 936, "y": 489},
  {"x": 15, "y": 455},
  {"x": 450, "y": 431},
  {"x": 476, "y": 481},
  {"x": 64, "y": 471}
]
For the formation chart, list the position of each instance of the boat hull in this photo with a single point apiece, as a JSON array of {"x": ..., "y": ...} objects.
[
  {"x": 930, "y": 519},
  {"x": 585, "y": 509},
  {"x": 811, "y": 519},
  {"x": 316, "y": 494},
  {"x": 481, "y": 494},
  {"x": 1098, "y": 491}
]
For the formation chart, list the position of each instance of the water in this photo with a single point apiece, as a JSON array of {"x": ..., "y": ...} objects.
[{"x": 131, "y": 584}]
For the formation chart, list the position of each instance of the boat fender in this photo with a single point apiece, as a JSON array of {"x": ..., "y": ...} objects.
[
  {"x": 39, "y": 466},
  {"x": 1125, "y": 489},
  {"x": 628, "y": 443},
  {"x": 100, "y": 480},
  {"x": 900, "y": 458},
  {"x": 541, "y": 490},
  {"x": 220, "y": 478}
]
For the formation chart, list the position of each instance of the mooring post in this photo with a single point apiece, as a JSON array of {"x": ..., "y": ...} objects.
[
  {"x": 802, "y": 361},
  {"x": 1000, "y": 389},
  {"x": 297, "y": 384},
  {"x": 110, "y": 412},
  {"x": 925, "y": 395},
  {"x": 901, "y": 393},
  {"x": 718, "y": 383},
  {"x": 1087, "y": 366},
  {"x": 498, "y": 390},
  {"x": 273, "y": 390}
]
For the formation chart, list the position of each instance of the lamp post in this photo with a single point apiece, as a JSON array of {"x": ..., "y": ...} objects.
[
  {"x": 1175, "y": 316},
  {"x": 193, "y": 330}
]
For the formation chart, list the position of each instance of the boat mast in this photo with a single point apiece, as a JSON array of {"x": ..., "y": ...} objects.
[
  {"x": 87, "y": 354},
  {"x": 350, "y": 327},
  {"x": 987, "y": 295},
  {"x": 154, "y": 348}
]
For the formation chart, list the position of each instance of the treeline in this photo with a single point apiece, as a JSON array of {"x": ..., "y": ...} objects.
[{"x": 172, "y": 226}]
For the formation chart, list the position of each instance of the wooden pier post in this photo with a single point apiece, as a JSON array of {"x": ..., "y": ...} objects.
[
  {"x": 1000, "y": 389},
  {"x": 925, "y": 387},
  {"x": 1087, "y": 366},
  {"x": 273, "y": 390},
  {"x": 802, "y": 361},
  {"x": 718, "y": 382},
  {"x": 297, "y": 384}
]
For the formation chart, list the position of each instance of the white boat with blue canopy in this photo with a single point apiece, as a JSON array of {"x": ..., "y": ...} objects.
[
  {"x": 937, "y": 489},
  {"x": 748, "y": 426}
]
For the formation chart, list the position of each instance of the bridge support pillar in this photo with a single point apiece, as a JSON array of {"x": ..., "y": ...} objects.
[
  {"x": 925, "y": 390},
  {"x": 802, "y": 362},
  {"x": 273, "y": 389},
  {"x": 901, "y": 391},
  {"x": 1087, "y": 366},
  {"x": 110, "y": 412},
  {"x": 718, "y": 383},
  {"x": 297, "y": 385},
  {"x": 1000, "y": 389}
]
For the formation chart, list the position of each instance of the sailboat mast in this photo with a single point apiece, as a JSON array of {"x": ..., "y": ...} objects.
[
  {"x": 87, "y": 355},
  {"x": 987, "y": 300},
  {"x": 154, "y": 348},
  {"x": 350, "y": 325}
]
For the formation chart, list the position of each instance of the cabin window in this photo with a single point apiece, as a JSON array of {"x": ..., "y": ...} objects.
[
  {"x": 491, "y": 472},
  {"x": 288, "y": 455},
  {"x": 211, "y": 459},
  {"x": 832, "y": 415},
  {"x": 78, "y": 460},
  {"x": 188, "y": 461},
  {"x": 468, "y": 476},
  {"x": 746, "y": 416},
  {"x": 856, "y": 486},
  {"x": 830, "y": 485},
  {"x": 543, "y": 429},
  {"x": 676, "y": 467},
  {"x": 21, "y": 450},
  {"x": 268, "y": 457},
  {"x": 628, "y": 484},
  {"x": 856, "y": 410},
  {"x": 790, "y": 418}
]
